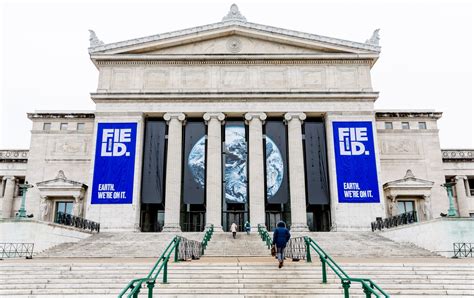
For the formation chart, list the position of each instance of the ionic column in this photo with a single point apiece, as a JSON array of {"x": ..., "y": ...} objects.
[
  {"x": 463, "y": 204},
  {"x": 214, "y": 170},
  {"x": 8, "y": 196},
  {"x": 173, "y": 172},
  {"x": 256, "y": 170},
  {"x": 296, "y": 172}
]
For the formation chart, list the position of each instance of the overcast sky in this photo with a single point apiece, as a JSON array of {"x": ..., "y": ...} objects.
[{"x": 426, "y": 60}]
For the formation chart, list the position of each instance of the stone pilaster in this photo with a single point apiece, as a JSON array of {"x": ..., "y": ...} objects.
[
  {"x": 8, "y": 196},
  {"x": 214, "y": 170},
  {"x": 2, "y": 188},
  {"x": 173, "y": 171},
  {"x": 256, "y": 170},
  {"x": 296, "y": 171},
  {"x": 463, "y": 204}
]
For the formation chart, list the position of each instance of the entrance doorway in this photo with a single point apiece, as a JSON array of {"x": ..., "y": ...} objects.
[
  {"x": 152, "y": 217},
  {"x": 272, "y": 218},
  {"x": 239, "y": 217},
  {"x": 193, "y": 221},
  {"x": 318, "y": 218}
]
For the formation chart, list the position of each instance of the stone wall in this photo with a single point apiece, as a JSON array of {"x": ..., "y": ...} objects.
[
  {"x": 437, "y": 235},
  {"x": 413, "y": 148},
  {"x": 53, "y": 149},
  {"x": 44, "y": 235}
]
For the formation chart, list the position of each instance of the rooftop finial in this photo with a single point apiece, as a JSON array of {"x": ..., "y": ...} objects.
[
  {"x": 234, "y": 15},
  {"x": 374, "y": 39},
  {"x": 94, "y": 40}
]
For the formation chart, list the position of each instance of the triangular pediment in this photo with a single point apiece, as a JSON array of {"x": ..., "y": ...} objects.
[
  {"x": 235, "y": 44},
  {"x": 409, "y": 181},
  {"x": 60, "y": 182},
  {"x": 234, "y": 37}
]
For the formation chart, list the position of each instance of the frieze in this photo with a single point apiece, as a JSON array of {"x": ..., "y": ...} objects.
[
  {"x": 14, "y": 155},
  {"x": 457, "y": 155},
  {"x": 404, "y": 148}
]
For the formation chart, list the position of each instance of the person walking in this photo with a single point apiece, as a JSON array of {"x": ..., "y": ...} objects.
[
  {"x": 247, "y": 227},
  {"x": 233, "y": 229},
  {"x": 281, "y": 235}
]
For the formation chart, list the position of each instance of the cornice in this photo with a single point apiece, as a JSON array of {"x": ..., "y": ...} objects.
[
  {"x": 236, "y": 96},
  {"x": 238, "y": 24},
  {"x": 243, "y": 60}
]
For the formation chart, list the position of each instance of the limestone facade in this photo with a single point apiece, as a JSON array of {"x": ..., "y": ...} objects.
[{"x": 238, "y": 70}]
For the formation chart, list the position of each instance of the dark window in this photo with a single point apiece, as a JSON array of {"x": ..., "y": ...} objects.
[
  {"x": 388, "y": 125},
  {"x": 63, "y": 126},
  {"x": 405, "y": 125},
  {"x": 405, "y": 206},
  {"x": 46, "y": 126},
  {"x": 65, "y": 207},
  {"x": 422, "y": 125},
  {"x": 80, "y": 126}
]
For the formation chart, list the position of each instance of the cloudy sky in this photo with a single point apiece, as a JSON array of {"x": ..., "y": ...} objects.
[{"x": 426, "y": 60}]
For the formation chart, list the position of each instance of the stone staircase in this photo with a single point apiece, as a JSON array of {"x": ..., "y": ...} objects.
[
  {"x": 101, "y": 265},
  {"x": 116, "y": 245},
  {"x": 364, "y": 245},
  {"x": 231, "y": 277},
  {"x": 222, "y": 244}
]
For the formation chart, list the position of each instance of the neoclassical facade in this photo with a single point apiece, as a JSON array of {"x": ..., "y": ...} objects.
[{"x": 233, "y": 122}]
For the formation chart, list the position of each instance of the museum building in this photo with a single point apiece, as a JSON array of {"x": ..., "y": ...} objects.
[{"x": 234, "y": 122}]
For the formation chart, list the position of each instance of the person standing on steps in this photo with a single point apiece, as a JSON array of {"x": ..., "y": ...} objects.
[
  {"x": 233, "y": 229},
  {"x": 247, "y": 227},
  {"x": 281, "y": 235}
]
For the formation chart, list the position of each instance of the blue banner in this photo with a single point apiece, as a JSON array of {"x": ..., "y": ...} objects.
[
  {"x": 114, "y": 163},
  {"x": 356, "y": 169}
]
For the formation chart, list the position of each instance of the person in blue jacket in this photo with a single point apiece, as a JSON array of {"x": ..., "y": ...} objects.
[{"x": 281, "y": 235}]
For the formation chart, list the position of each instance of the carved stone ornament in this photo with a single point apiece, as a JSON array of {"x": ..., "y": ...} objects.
[
  {"x": 234, "y": 15},
  {"x": 234, "y": 45},
  {"x": 374, "y": 39},
  {"x": 61, "y": 175},
  {"x": 94, "y": 40}
]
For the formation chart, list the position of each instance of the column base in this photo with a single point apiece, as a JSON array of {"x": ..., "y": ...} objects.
[
  {"x": 217, "y": 228},
  {"x": 172, "y": 228},
  {"x": 299, "y": 227}
]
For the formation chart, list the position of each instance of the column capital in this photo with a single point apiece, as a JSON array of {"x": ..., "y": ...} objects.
[
  {"x": 8, "y": 178},
  {"x": 259, "y": 115},
  {"x": 213, "y": 115},
  {"x": 460, "y": 177},
  {"x": 178, "y": 116},
  {"x": 295, "y": 115}
]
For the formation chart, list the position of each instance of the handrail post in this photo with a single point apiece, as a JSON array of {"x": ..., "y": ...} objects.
[
  {"x": 367, "y": 291},
  {"x": 165, "y": 272},
  {"x": 308, "y": 251},
  {"x": 150, "y": 286},
  {"x": 323, "y": 268},
  {"x": 346, "y": 284},
  {"x": 176, "y": 250}
]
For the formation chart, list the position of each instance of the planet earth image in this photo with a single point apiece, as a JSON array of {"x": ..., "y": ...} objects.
[
  {"x": 197, "y": 161},
  {"x": 275, "y": 168},
  {"x": 235, "y": 171}
]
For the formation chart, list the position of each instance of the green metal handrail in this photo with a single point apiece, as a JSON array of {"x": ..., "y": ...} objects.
[
  {"x": 207, "y": 238},
  {"x": 161, "y": 265},
  {"x": 368, "y": 285},
  {"x": 262, "y": 231}
]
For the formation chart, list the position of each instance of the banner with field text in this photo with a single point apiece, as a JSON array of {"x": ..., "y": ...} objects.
[
  {"x": 356, "y": 168},
  {"x": 114, "y": 163}
]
